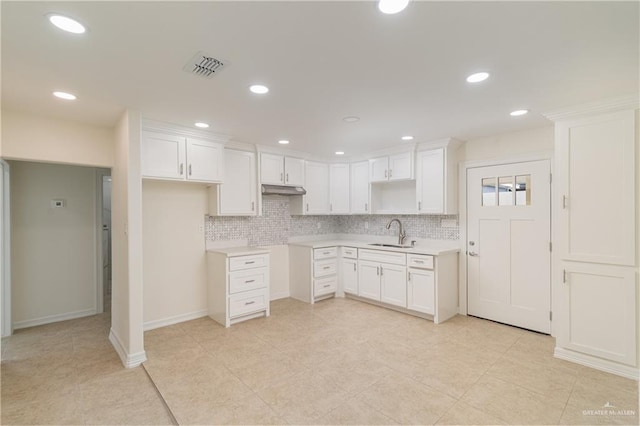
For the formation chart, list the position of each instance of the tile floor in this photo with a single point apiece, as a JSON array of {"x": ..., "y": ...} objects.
[{"x": 337, "y": 362}]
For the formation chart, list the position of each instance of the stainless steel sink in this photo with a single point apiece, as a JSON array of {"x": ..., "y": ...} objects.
[{"x": 389, "y": 245}]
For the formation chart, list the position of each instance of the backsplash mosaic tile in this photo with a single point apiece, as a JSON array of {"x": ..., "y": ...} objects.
[{"x": 276, "y": 225}]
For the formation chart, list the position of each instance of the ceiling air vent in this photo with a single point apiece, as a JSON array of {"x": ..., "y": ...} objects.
[{"x": 204, "y": 65}]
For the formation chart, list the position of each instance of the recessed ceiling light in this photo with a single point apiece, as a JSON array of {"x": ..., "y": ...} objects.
[
  {"x": 407, "y": 138},
  {"x": 283, "y": 142},
  {"x": 351, "y": 119},
  {"x": 259, "y": 89},
  {"x": 64, "y": 95},
  {"x": 67, "y": 24},
  {"x": 339, "y": 152},
  {"x": 478, "y": 77},
  {"x": 519, "y": 112},
  {"x": 201, "y": 125},
  {"x": 390, "y": 7}
]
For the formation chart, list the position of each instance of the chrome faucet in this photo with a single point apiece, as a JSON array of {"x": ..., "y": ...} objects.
[{"x": 401, "y": 233}]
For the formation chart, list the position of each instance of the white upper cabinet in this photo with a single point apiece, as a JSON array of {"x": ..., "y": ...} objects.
[
  {"x": 393, "y": 167},
  {"x": 167, "y": 156},
  {"x": 237, "y": 195},
  {"x": 280, "y": 170},
  {"x": 437, "y": 178},
  {"x": 596, "y": 188},
  {"x": 360, "y": 187},
  {"x": 293, "y": 171},
  {"x": 316, "y": 201},
  {"x": 339, "y": 188}
]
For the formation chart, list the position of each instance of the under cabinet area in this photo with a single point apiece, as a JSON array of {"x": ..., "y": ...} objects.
[
  {"x": 238, "y": 284},
  {"x": 175, "y": 157}
]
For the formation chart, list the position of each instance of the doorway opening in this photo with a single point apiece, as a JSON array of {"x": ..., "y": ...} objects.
[{"x": 106, "y": 242}]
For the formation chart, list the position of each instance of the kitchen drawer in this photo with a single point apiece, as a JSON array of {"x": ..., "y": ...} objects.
[
  {"x": 350, "y": 252},
  {"x": 248, "y": 302},
  {"x": 325, "y": 253},
  {"x": 420, "y": 261},
  {"x": 325, "y": 286},
  {"x": 392, "y": 257},
  {"x": 323, "y": 268},
  {"x": 248, "y": 279},
  {"x": 248, "y": 262}
]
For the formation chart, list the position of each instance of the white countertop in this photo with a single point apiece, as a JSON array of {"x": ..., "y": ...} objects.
[
  {"x": 434, "y": 248},
  {"x": 239, "y": 251}
]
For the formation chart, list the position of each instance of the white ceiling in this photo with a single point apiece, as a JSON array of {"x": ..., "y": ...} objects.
[{"x": 402, "y": 74}]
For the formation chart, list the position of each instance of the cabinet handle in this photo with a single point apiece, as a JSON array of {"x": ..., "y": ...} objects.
[
  {"x": 326, "y": 285},
  {"x": 281, "y": 177},
  {"x": 326, "y": 252},
  {"x": 253, "y": 205},
  {"x": 287, "y": 177},
  {"x": 409, "y": 276},
  {"x": 419, "y": 205},
  {"x": 307, "y": 206},
  {"x": 418, "y": 261},
  {"x": 326, "y": 267},
  {"x": 366, "y": 207},
  {"x": 390, "y": 173},
  {"x": 354, "y": 266},
  {"x": 249, "y": 281},
  {"x": 330, "y": 207},
  {"x": 250, "y": 303},
  {"x": 189, "y": 169},
  {"x": 377, "y": 270},
  {"x": 249, "y": 262},
  {"x": 564, "y": 201},
  {"x": 385, "y": 173},
  {"x": 381, "y": 271},
  {"x": 564, "y": 276},
  {"x": 181, "y": 169}
]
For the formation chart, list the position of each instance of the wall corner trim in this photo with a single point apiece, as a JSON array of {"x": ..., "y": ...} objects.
[{"x": 128, "y": 360}]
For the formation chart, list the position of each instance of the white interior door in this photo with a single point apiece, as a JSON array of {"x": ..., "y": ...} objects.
[{"x": 508, "y": 244}]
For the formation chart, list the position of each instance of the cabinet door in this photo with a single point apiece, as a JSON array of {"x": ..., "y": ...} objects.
[
  {"x": 421, "y": 291},
  {"x": 205, "y": 161},
  {"x": 378, "y": 169},
  {"x": 394, "y": 285},
  {"x": 401, "y": 166},
  {"x": 293, "y": 171},
  {"x": 369, "y": 279},
  {"x": 596, "y": 182},
  {"x": 271, "y": 169},
  {"x": 360, "y": 187},
  {"x": 349, "y": 275},
  {"x": 598, "y": 315},
  {"x": 339, "y": 188},
  {"x": 316, "y": 201},
  {"x": 163, "y": 156},
  {"x": 430, "y": 181},
  {"x": 238, "y": 192}
]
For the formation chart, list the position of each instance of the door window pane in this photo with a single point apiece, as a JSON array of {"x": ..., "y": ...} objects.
[
  {"x": 489, "y": 191},
  {"x": 505, "y": 191},
  {"x": 523, "y": 190}
]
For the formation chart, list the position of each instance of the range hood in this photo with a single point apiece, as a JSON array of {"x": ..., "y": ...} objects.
[{"x": 282, "y": 190}]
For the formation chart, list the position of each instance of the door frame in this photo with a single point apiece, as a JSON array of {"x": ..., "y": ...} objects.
[
  {"x": 99, "y": 269},
  {"x": 462, "y": 194},
  {"x": 5, "y": 251}
]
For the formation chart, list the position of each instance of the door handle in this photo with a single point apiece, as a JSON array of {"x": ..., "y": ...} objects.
[{"x": 473, "y": 253}]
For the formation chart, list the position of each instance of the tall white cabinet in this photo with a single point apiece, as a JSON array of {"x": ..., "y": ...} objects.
[
  {"x": 595, "y": 264},
  {"x": 360, "y": 187}
]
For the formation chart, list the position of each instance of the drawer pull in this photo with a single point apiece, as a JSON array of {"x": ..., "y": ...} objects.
[
  {"x": 249, "y": 281},
  {"x": 250, "y": 303},
  {"x": 249, "y": 262},
  {"x": 326, "y": 285},
  {"x": 326, "y": 267},
  {"x": 418, "y": 261},
  {"x": 326, "y": 252}
]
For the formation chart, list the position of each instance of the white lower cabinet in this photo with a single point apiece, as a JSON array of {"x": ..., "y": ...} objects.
[
  {"x": 393, "y": 285},
  {"x": 313, "y": 272},
  {"x": 369, "y": 279},
  {"x": 420, "y": 291},
  {"x": 382, "y": 276},
  {"x": 238, "y": 286}
]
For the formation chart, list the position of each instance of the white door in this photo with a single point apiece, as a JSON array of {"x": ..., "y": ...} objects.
[
  {"x": 508, "y": 244},
  {"x": 360, "y": 187},
  {"x": 394, "y": 285},
  {"x": 271, "y": 169},
  {"x": 420, "y": 289},
  {"x": 238, "y": 192},
  {"x": 163, "y": 156},
  {"x": 430, "y": 181},
  {"x": 401, "y": 166},
  {"x": 369, "y": 279},
  {"x": 293, "y": 171},
  {"x": 378, "y": 169},
  {"x": 206, "y": 161},
  {"x": 350, "y": 276},
  {"x": 317, "y": 185},
  {"x": 5, "y": 252},
  {"x": 339, "y": 188}
]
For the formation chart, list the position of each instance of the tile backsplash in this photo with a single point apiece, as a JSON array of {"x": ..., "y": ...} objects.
[{"x": 276, "y": 225}]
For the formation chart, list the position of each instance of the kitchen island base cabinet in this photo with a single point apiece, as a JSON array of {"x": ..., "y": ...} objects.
[
  {"x": 238, "y": 285},
  {"x": 313, "y": 273}
]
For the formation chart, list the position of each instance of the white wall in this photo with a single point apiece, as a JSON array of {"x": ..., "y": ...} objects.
[
  {"x": 53, "y": 249},
  {"x": 174, "y": 263},
  {"x": 33, "y": 138},
  {"x": 509, "y": 145}
]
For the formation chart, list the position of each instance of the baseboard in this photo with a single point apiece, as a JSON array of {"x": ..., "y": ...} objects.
[
  {"x": 53, "y": 318},
  {"x": 150, "y": 325},
  {"x": 128, "y": 360},
  {"x": 280, "y": 295},
  {"x": 597, "y": 363}
]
